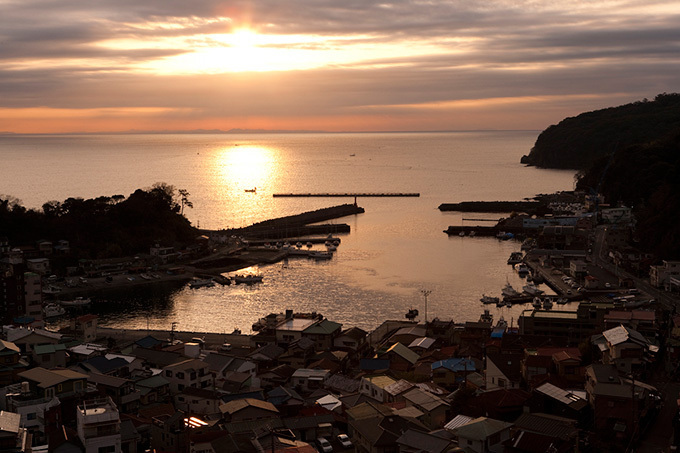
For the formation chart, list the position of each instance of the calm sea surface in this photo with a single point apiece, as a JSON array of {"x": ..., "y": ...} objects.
[{"x": 395, "y": 250}]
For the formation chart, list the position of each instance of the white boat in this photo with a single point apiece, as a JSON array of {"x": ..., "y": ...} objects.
[
  {"x": 489, "y": 299},
  {"x": 201, "y": 283},
  {"x": 532, "y": 290},
  {"x": 53, "y": 310},
  {"x": 537, "y": 303},
  {"x": 77, "y": 302},
  {"x": 515, "y": 258},
  {"x": 51, "y": 289},
  {"x": 146, "y": 276},
  {"x": 509, "y": 291},
  {"x": 247, "y": 279},
  {"x": 522, "y": 269},
  {"x": 319, "y": 255}
]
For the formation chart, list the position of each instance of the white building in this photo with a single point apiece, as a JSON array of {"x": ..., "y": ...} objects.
[
  {"x": 98, "y": 423},
  {"x": 661, "y": 276}
]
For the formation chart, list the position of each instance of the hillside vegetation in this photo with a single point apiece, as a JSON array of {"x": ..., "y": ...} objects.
[
  {"x": 577, "y": 142},
  {"x": 647, "y": 178},
  {"x": 102, "y": 227}
]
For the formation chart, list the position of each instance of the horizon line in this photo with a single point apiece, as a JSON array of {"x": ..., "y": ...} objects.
[{"x": 257, "y": 131}]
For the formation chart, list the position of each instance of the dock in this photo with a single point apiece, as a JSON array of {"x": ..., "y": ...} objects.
[{"x": 349, "y": 194}]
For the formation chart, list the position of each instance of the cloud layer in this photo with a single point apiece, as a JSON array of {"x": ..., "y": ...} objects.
[{"x": 69, "y": 66}]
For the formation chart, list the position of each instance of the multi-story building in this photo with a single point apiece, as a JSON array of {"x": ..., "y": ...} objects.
[
  {"x": 188, "y": 373},
  {"x": 33, "y": 295},
  {"x": 98, "y": 423}
]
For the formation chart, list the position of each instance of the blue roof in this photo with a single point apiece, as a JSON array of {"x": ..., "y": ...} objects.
[
  {"x": 374, "y": 364},
  {"x": 455, "y": 364},
  {"x": 148, "y": 342}
]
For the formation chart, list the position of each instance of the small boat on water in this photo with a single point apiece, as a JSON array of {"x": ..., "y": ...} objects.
[
  {"x": 51, "y": 289},
  {"x": 253, "y": 190},
  {"x": 146, "y": 276},
  {"x": 319, "y": 255},
  {"x": 53, "y": 310},
  {"x": 201, "y": 283},
  {"x": 532, "y": 290},
  {"x": 247, "y": 279},
  {"x": 537, "y": 303},
  {"x": 77, "y": 302},
  {"x": 522, "y": 269},
  {"x": 489, "y": 299},
  {"x": 509, "y": 291},
  {"x": 515, "y": 258},
  {"x": 411, "y": 314}
]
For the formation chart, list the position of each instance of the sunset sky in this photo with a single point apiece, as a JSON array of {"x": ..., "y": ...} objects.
[{"x": 349, "y": 65}]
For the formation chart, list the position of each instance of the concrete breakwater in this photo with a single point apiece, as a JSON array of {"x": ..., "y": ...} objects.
[
  {"x": 299, "y": 224},
  {"x": 530, "y": 207}
]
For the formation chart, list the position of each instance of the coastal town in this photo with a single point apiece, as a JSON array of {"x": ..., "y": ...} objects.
[{"x": 601, "y": 376}]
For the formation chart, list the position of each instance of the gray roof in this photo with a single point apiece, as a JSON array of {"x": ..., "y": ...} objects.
[
  {"x": 481, "y": 428},
  {"x": 425, "y": 400},
  {"x": 550, "y": 425},
  {"x": 423, "y": 441},
  {"x": 9, "y": 422}
]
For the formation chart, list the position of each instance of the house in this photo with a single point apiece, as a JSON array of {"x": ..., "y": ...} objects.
[
  {"x": 481, "y": 434},
  {"x": 198, "y": 401},
  {"x": 153, "y": 389},
  {"x": 84, "y": 328},
  {"x": 661, "y": 276},
  {"x": 290, "y": 329},
  {"x": 40, "y": 396},
  {"x": 550, "y": 399},
  {"x": 401, "y": 358},
  {"x": 618, "y": 404},
  {"x": 394, "y": 393},
  {"x": 50, "y": 355},
  {"x": 248, "y": 409},
  {"x": 26, "y": 339},
  {"x": 13, "y": 437},
  {"x": 374, "y": 386},
  {"x": 172, "y": 432},
  {"x": 323, "y": 333},
  {"x": 299, "y": 353},
  {"x": 375, "y": 428},
  {"x": 223, "y": 364},
  {"x": 121, "y": 391},
  {"x": 503, "y": 371},
  {"x": 451, "y": 372},
  {"x": 306, "y": 379},
  {"x": 434, "y": 409},
  {"x": 12, "y": 363},
  {"x": 624, "y": 348},
  {"x": 188, "y": 373},
  {"x": 499, "y": 404},
  {"x": 415, "y": 441},
  {"x": 98, "y": 425},
  {"x": 352, "y": 340}
]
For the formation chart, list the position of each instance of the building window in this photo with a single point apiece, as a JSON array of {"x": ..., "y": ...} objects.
[
  {"x": 168, "y": 373},
  {"x": 31, "y": 416}
]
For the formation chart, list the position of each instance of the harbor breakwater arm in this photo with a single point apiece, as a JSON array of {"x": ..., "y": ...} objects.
[
  {"x": 530, "y": 207},
  {"x": 299, "y": 224}
]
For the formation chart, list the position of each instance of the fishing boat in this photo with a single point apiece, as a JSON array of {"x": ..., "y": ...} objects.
[
  {"x": 509, "y": 291},
  {"x": 537, "y": 303},
  {"x": 247, "y": 279},
  {"x": 201, "y": 283},
  {"x": 547, "y": 303},
  {"x": 320, "y": 255},
  {"x": 53, "y": 310},
  {"x": 522, "y": 269},
  {"x": 77, "y": 302},
  {"x": 253, "y": 190},
  {"x": 411, "y": 314},
  {"x": 532, "y": 290},
  {"x": 515, "y": 258},
  {"x": 489, "y": 299}
]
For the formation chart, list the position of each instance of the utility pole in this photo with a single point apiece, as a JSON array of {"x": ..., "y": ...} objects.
[{"x": 425, "y": 292}]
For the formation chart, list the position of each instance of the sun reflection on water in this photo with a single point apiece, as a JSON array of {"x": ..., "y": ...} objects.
[{"x": 247, "y": 174}]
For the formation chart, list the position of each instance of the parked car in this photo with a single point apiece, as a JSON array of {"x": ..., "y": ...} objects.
[
  {"x": 344, "y": 440},
  {"x": 324, "y": 445}
]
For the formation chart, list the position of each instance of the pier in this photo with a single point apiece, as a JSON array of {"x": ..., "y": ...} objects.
[{"x": 349, "y": 194}]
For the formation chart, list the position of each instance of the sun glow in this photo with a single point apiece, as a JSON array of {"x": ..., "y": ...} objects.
[{"x": 246, "y": 167}]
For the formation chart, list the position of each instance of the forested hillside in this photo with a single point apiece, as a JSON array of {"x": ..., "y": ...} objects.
[
  {"x": 577, "y": 142},
  {"x": 102, "y": 227}
]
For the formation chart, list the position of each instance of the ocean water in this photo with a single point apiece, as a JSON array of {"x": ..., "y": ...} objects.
[{"x": 395, "y": 250}]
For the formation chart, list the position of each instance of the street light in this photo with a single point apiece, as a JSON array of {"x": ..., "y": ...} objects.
[{"x": 425, "y": 292}]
